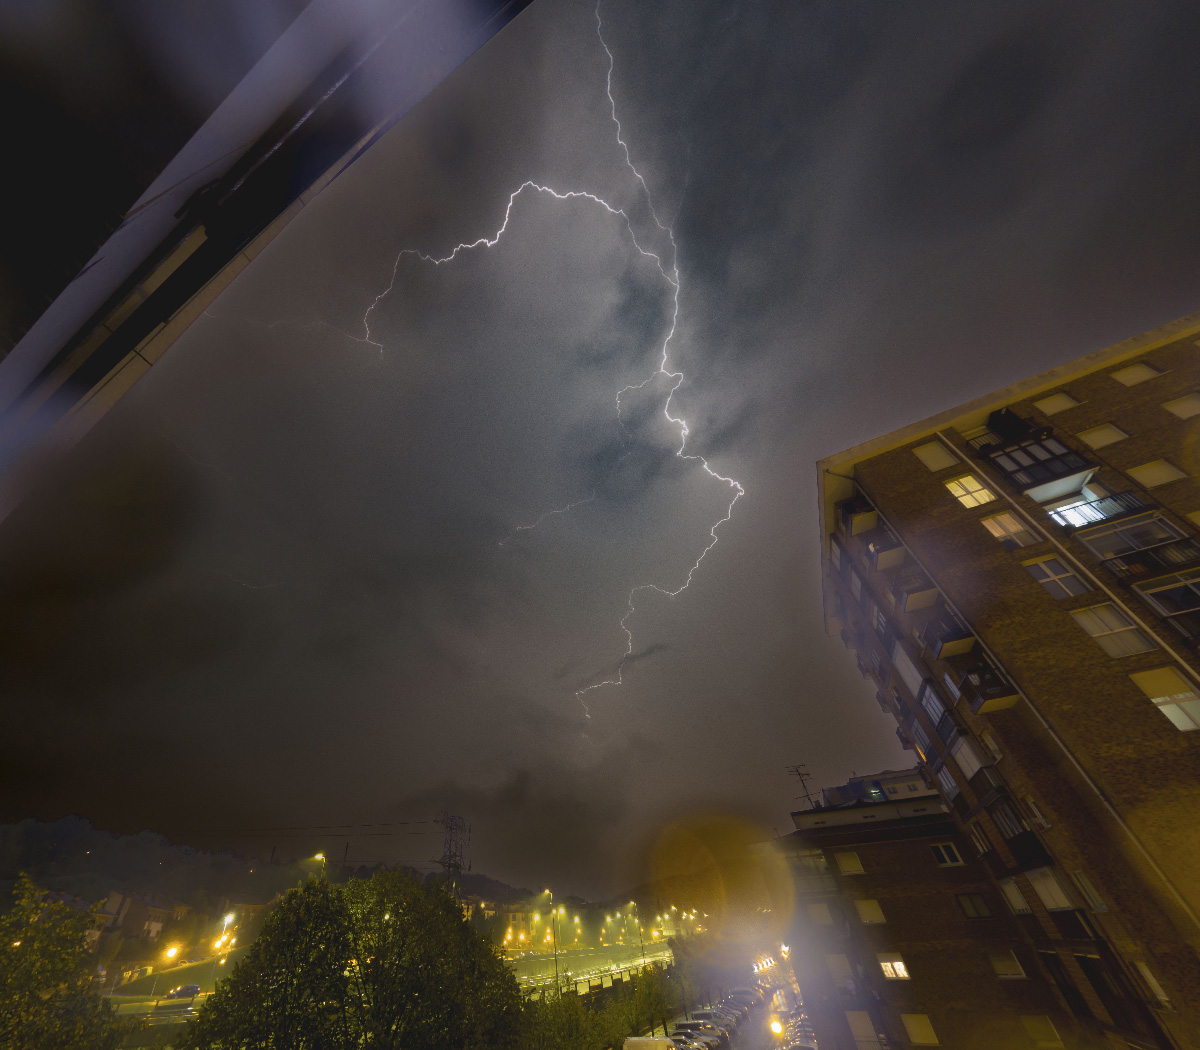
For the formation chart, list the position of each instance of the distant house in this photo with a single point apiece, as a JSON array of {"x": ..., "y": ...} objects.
[
  {"x": 77, "y": 904},
  {"x": 142, "y": 915},
  {"x": 477, "y": 905}
]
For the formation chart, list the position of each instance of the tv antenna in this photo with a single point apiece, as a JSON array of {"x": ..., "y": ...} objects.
[{"x": 801, "y": 773}]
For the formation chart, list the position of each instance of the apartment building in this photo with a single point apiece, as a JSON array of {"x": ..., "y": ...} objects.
[
  {"x": 902, "y": 937},
  {"x": 1020, "y": 579}
]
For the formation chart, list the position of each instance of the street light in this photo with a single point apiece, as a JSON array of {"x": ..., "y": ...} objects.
[
  {"x": 554, "y": 937},
  {"x": 633, "y": 904},
  {"x": 321, "y": 858}
]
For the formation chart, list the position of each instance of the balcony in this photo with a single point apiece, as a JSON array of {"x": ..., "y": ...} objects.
[
  {"x": 884, "y": 549},
  {"x": 947, "y": 729},
  {"x": 946, "y": 637},
  {"x": 913, "y": 590},
  {"x": 985, "y": 690},
  {"x": 1031, "y": 457},
  {"x": 856, "y": 515},
  {"x": 1151, "y": 561},
  {"x": 986, "y": 784},
  {"x": 1092, "y": 512},
  {"x": 1028, "y": 851}
]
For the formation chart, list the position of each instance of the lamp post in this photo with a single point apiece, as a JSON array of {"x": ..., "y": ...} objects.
[
  {"x": 638, "y": 920},
  {"x": 321, "y": 858},
  {"x": 554, "y": 939}
]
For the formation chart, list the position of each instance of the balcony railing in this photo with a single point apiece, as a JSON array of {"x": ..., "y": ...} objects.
[
  {"x": 857, "y": 515},
  {"x": 946, "y": 638},
  {"x": 884, "y": 549},
  {"x": 913, "y": 590},
  {"x": 1092, "y": 512},
  {"x": 985, "y": 689},
  {"x": 1152, "y": 560}
]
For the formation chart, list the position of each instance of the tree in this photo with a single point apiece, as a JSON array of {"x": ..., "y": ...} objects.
[
  {"x": 46, "y": 1001},
  {"x": 385, "y": 962}
]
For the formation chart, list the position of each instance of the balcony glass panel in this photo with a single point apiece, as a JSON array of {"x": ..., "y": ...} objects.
[
  {"x": 1128, "y": 534},
  {"x": 1151, "y": 560}
]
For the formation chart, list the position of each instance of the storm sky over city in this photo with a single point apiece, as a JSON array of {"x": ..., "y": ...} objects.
[{"x": 289, "y": 580}]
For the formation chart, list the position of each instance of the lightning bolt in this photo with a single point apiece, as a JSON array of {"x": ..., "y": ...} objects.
[{"x": 670, "y": 274}]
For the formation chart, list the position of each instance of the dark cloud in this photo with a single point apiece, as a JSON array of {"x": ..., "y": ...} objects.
[{"x": 318, "y": 577}]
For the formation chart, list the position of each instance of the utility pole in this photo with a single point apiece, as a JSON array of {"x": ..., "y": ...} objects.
[
  {"x": 801, "y": 773},
  {"x": 451, "y": 859}
]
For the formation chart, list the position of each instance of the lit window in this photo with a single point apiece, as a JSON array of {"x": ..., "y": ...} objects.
[
  {"x": 920, "y": 1031},
  {"x": 848, "y": 863},
  {"x": 1006, "y": 965},
  {"x": 1131, "y": 375},
  {"x": 935, "y": 455},
  {"x": 869, "y": 911},
  {"x": 1105, "y": 434},
  {"x": 1051, "y": 892},
  {"x": 1008, "y": 529},
  {"x": 1184, "y": 407},
  {"x": 1041, "y": 1030},
  {"x": 970, "y": 491},
  {"x": 1114, "y": 632},
  {"x": 1055, "y": 403},
  {"x": 1013, "y": 897},
  {"x": 1156, "y": 472},
  {"x": 973, "y": 906},
  {"x": 946, "y": 855},
  {"x": 892, "y": 966},
  {"x": 1053, "y": 575},
  {"x": 820, "y": 913},
  {"x": 1172, "y": 694}
]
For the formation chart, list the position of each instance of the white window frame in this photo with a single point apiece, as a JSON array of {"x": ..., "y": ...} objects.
[
  {"x": 1116, "y": 642},
  {"x": 949, "y": 851},
  {"x": 1008, "y": 537},
  {"x": 970, "y": 491},
  {"x": 1052, "y": 581}
]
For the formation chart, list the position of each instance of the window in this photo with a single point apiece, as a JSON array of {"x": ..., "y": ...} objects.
[
  {"x": 848, "y": 863},
  {"x": 1008, "y": 821},
  {"x": 1009, "y": 530},
  {"x": 1156, "y": 472},
  {"x": 906, "y": 669},
  {"x": 1056, "y": 578},
  {"x": 820, "y": 913},
  {"x": 1129, "y": 534},
  {"x": 1034, "y": 810},
  {"x": 1172, "y": 694},
  {"x": 835, "y": 553},
  {"x": 1172, "y": 595},
  {"x": 1041, "y": 1030},
  {"x": 892, "y": 966},
  {"x": 920, "y": 1031},
  {"x": 1055, "y": 403},
  {"x": 1104, "y": 434},
  {"x": 869, "y": 911},
  {"x": 935, "y": 455},
  {"x": 1088, "y": 891},
  {"x": 920, "y": 738},
  {"x": 1046, "y": 885},
  {"x": 1150, "y": 980},
  {"x": 968, "y": 761},
  {"x": 1013, "y": 897},
  {"x": 1006, "y": 965},
  {"x": 988, "y": 739},
  {"x": 948, "y": 784},
  {"x": 1184, "y": 407},
  {"x": 979, "y": 838},
  {"x": 946, "y": 854},
  {"x": 1114, "y": 632},
  {"x": 932, "y": 704},
  {"x": 862, "y": 1028},
  {"x": 855, "y": 585},
  {"x": 973, "y": 906},
  {"x": 1131, "y": 375},
  {"x": 839, "y": 969},
  {"x": 970, "y": 491}
]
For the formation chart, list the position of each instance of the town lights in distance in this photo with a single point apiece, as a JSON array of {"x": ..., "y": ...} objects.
[{"x": 668, "y": 269}]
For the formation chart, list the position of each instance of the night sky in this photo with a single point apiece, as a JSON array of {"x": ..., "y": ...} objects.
[{"x": 283, "y": 583}]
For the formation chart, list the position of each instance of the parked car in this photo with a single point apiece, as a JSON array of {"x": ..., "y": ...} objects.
[
  {"x": 184, "y": 991},
  {"x": 704, "y": 1028},
  {"x": 689, "y": 1040},
  {"x": 716, "y": 1017}
]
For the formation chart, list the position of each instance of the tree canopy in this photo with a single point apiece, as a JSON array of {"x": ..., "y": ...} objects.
[
  {"x": 46, "y": 1001},
  {"x": 385, "y": 962}
]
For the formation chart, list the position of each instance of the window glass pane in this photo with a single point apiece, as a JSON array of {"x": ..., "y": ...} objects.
[
  {"x": 968, "y": 761},
  {"x": 820, "y": 913},
  {"x": 1055, "y": 403},
  {"x": 892, "y": 966},
  {"x": 1013, "y": 897},
  {"x": 920, "y": 1031},
  {"x": 1041, "y": 1031},
  {"x": 1134, "y": 374},
  {"x": 1008, "y": 823},
  {"x": 1129, "y": 535},
  {"x": 1056, "y": 578},
  {"x": 1009, "y": 530},
  {"x": 949, "y": 785},
  {"x": 1113, "y": 630},
  {"x": 906, "y": 669},
  {"x": 1175, "y": 594},
  {"x": 935, "y": 455},
  {"x": 1099, "y": 437},
  {"x": 970, "y": 491},
  {"x": 869, "y": 911},
  {"x": 1156, "y": 472},
  {"x": 1006, "y": 964},
  {"x": 1048, "y": 888},
  {"x": 848, "y": 863},
  {"x": 1184, "y": 407}
]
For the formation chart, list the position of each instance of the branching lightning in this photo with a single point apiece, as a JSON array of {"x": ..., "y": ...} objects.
[{"x": 670, "y": 274}]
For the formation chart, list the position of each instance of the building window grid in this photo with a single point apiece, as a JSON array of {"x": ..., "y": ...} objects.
[
  {"x": 946, "y": 855},
  {"x": 1010, "y": 530},
  {"x": 1112, "y": 630},
  {"x": 1055, "y": 578},
  {"x": 970, "y": 491}
]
